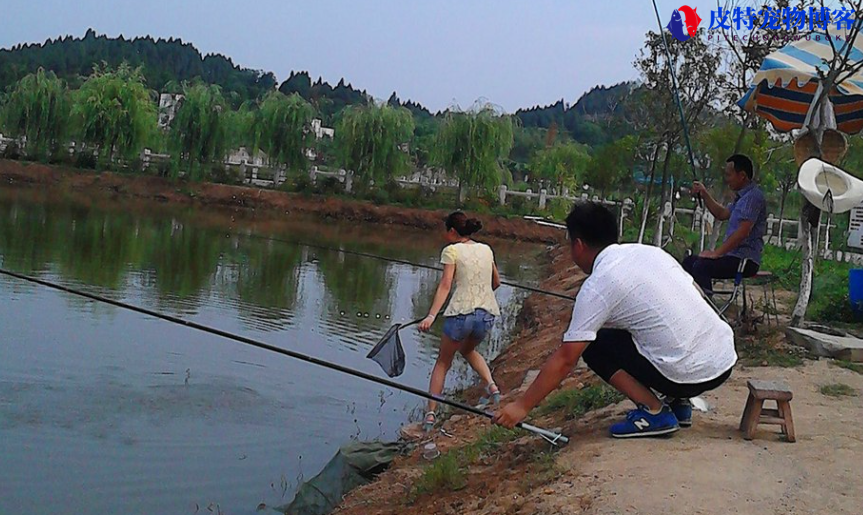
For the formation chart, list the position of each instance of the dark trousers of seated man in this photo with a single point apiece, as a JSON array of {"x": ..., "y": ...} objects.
[
  {"x": 613, "y": 350},
  {"x": 705, "y": 270}
]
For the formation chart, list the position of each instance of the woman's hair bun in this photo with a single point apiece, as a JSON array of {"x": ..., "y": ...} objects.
[
  {"x": 472, "y": 225},
  {"x": 462, "y": 224}
]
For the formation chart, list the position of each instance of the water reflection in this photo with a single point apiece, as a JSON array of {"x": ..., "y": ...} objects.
[{"x": 91, "y": 396}]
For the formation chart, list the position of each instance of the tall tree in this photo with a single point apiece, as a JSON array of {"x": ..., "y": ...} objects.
[
  {"x": 612, "y": 164},
  {"x": 38, "y": 110},
  {"x": 114, "y": 112},
  {"x": 370, "y": 140},
  {"x": 199, "y": 130},
  {"x": 471, "y": 145},
  {"x": 841, "y": 66},
  {"x": 282, "y": 129},
  {"x": 562, "y": 165},
  {"x": 696, "y": 67}
]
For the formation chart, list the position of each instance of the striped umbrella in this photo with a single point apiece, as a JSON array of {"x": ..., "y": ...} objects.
[{"x": 786, "y": 83}]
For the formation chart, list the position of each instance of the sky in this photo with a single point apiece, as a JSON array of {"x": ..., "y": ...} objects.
[{"x": 438, "y": 52}]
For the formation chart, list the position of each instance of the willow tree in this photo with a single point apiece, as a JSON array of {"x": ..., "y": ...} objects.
[
  {"x": 281, "y": 129},
  {"x": 370, "y": 141},
  {"x": 199, "y": 131},
  {"x": 471, "y": 146},
  {"x": 114, "y": 112},
  {"x": 562, "y": 165},
  {"x": 37, "y": 109}
]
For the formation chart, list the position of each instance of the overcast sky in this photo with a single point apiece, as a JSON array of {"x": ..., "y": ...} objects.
[{"x": 514, "y": 53}]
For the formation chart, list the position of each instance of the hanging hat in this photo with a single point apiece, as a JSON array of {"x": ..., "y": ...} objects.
[
  {"x": 828, "y": 187},
  {"x": 805, "y": 147},
  {"x": 834, "y": 146}
]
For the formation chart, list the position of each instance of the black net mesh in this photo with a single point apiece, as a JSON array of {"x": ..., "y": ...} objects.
[{"x": 389, "y": 353}]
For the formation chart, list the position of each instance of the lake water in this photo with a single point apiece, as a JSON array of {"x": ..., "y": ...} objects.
[{"x": 103, "y": 410}]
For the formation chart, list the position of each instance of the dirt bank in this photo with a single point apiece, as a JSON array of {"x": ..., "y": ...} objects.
[
  {"x": 708, "y": 469},
  {"x": 19, "y": 173}
]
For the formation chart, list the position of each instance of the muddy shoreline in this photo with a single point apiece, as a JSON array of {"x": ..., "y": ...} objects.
[
  {"x": 540, "y": 323},
  {"x": 273, "y": 202},
  {"x": 505, "y": 483}
]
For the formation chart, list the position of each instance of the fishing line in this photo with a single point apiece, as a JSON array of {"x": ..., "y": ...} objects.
[
  {"x": 674, "y": 89},
  {"x": 549, "y": 435},
  {"x": 398, "y": 261}
]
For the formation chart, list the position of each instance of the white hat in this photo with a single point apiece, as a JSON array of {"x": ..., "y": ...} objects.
[{"x": 818, "y": 181}]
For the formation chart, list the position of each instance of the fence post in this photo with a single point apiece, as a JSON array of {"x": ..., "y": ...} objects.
[
  {"x": 501, "y": 192},
  {"x": 770, "y": 222},
  {"x": 543, "y": 196},
  {"x": 349, "y": 181},
  {"x": 313, "y": 173},
  {"x": 625, "y": 207}
]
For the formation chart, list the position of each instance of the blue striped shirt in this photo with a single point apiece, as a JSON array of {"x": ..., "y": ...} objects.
[{"x": 750, "y": 205}]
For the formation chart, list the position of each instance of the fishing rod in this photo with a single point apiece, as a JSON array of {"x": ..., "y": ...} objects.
[
  {"x": 675, "y": 90},
  {"x": 398, "y": 261},
  {"x": 552, "y": 437}
]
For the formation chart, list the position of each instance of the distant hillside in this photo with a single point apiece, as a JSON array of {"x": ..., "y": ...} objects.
[
  {"x": 167, "y": 63},
  {"x": 590, "y": 120},
  {"x": 163, "y": 61},
  {"x": 594, "y": 120}
]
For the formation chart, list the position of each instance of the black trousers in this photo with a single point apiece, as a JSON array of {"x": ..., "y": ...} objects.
[
  {"x": 705, "y": 270},
  {"x": 614, "y": 350}
]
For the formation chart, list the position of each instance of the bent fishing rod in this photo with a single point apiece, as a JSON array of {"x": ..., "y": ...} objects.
[
  {"x": 397, "y": 261},
  {"x": 552, "y": 437}
]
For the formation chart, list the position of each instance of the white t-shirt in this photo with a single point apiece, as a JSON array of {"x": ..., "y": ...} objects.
[
  {"x": 474, "y": 265},
  {"x": 643, "y": 290}
]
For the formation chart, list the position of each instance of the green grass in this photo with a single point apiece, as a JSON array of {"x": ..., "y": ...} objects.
[
  {"x": 575, "y": 403},
  {"x": 448, "y": 472},
  {"x": 854, "y": 367},
  {"x": 829, "y": 302},
  {"x": 838, "y": 390},
  {"x": 759, "y": 352}
]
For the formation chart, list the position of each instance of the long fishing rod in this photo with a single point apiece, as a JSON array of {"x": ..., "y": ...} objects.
[
  {"x": 675, "y": 90},
  {"x": 398, "y": 261},
  {"x": 552, "y": 437}
]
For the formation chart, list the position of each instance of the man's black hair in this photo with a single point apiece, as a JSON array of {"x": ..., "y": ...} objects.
[
  {"x": 742, "y": 164},
  {"x": 592, "y": 223}
]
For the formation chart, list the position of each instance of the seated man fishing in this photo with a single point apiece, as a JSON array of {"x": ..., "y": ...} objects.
[
  {"x": 640, "y": 323},
  {"x": 747, "y": 223}
]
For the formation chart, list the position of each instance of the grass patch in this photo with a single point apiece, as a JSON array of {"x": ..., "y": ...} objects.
[
  {"x": 761, "y": 352},
  {"x": 829, "y": 302},
  {"x": 575, "y": 403},
  {"x": 838, "y": 390},
  {"x": 854, "y": 367},
  {"x": 446, "y": 473},
  {"x": 449, "y": 471}
]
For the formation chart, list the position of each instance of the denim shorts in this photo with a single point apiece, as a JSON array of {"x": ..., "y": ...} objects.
[{"x": 475, "y": 326}]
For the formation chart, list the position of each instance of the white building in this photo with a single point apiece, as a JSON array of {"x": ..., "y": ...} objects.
[
  {"x": 168, "y": 105},
  {"x": 320, "y": 131},
  {"x": 243, "y": 156}
]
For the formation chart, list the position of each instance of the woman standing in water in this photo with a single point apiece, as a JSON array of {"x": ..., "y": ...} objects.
[{"x": 469, "y": 268}]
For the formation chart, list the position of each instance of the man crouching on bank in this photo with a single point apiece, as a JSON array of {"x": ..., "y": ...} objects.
[{"x": 641, "y": 324}]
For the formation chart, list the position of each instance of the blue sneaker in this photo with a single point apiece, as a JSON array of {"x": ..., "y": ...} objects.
[
  {"x": 682, "y": 410},
  {"x": 640, "y": 423}
]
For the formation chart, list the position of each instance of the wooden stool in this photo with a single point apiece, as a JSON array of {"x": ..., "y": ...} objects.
[{"x": 754, "y": 413}]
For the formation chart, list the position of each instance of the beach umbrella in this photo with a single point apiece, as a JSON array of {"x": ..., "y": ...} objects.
[{"x": 788, "y": 82}]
